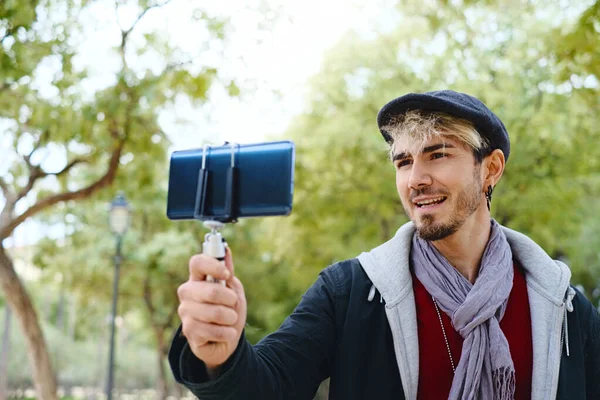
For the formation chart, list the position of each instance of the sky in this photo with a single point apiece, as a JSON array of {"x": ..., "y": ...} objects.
[
  {"x": 271, "y": 64},
  {"x": 276, "y": 59}
]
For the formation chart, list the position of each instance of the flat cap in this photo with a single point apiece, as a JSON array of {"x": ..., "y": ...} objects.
[{"x": 453, "y": 103}]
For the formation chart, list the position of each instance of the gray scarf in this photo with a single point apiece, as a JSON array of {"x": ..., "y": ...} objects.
[{"x": 486, "y": 369}]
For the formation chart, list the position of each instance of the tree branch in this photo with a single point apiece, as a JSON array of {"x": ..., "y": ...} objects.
[
  {"x": 125, "y": 32},
  {"x": 138, "y": 19},
  {"x": 69, "y": 166},
  {"x": 148, "y": 297},
  {"x": 8, "y": 194},
  {"x": 170, "y": 317},
  {"x": 103, "y": 181},
  {"x": 41, "y": 140},
  {"x": 176, "y": 65},
  {"x": 35, "y": 173},
  {"x": 9, "y": 205}
]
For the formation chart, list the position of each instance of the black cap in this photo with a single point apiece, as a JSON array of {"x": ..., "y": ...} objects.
[{"x": 453, "y": 103}]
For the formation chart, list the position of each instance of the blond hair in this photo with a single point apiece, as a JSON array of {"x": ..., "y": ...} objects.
[{"x": 422, "y": 126}]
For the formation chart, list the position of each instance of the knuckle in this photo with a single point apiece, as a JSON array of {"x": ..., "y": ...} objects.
[
  {"x": 193, "y": 261},
  {"x": 225, "y": 316},
  {"x": 198, "y": 264},
  {"x": 181, "y": 310},
  {"x": 220, "y": 333},
  {"x": 181, "y": 291},
  {"x": 239, "y": 284},
  {"x": 229, "y": 333},
  {"x": 186, "y": 329},
  {"x": 202, "y": 260},
  {"x": 197, "y": 338},
  {"x": 212, "y": 291},
  {"x": 230, "y": 299},
  {"x": 229, "y": 316},
  {"x": 193, "y": 333},
  {"x": 217, "y": 314}
]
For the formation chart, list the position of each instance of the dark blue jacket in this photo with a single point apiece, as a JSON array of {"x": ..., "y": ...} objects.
[{"x": 337, "y": 332}]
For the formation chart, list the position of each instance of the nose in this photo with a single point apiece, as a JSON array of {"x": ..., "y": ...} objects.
[{"x": 419, "y": 176}]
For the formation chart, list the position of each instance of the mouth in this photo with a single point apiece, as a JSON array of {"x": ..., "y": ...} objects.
[{"x": 429, "y": 203}]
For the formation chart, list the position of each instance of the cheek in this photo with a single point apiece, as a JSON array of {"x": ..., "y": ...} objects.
[{"x": 402, "y": 185}]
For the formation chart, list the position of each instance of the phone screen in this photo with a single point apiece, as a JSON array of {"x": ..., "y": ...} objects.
[{"x": 264, "y": 187}]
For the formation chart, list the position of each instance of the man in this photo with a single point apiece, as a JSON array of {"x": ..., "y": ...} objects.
[{"x": 453, "y": 306}]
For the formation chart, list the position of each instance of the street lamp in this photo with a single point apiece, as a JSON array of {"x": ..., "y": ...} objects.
[{"x": 119, "y": 220}]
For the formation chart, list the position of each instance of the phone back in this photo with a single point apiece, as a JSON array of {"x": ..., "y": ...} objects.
[{"x": 265, "y": 180}]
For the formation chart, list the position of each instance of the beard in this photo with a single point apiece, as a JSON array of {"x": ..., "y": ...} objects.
[{"x": 467, "y": 202}]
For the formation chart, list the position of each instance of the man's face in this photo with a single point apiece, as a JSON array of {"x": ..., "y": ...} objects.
[{"x": 440, "y": 186}]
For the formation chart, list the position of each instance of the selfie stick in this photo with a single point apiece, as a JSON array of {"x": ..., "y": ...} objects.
[{"x": 214, "y": 244}]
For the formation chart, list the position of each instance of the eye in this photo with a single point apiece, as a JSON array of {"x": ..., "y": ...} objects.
[
  {"x": 403, "y": 163},
  {"x": 435, "y": 156}
]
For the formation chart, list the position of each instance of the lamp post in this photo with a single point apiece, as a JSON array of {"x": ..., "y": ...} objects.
[{"x": 119, "y": 220}]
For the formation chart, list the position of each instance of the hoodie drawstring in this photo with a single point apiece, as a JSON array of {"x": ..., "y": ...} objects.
[
  {"x": 568, "y": 308},
  {"x": 372, "y": 292}
]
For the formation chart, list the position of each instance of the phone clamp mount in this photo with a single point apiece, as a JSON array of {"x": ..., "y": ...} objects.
[{"x": 214, "y": 244}]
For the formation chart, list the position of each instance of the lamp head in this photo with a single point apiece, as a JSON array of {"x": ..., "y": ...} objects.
[{"x": 119, "y": 215}]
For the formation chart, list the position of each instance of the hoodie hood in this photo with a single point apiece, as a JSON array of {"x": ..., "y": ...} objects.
[{"x": 388, "y": 266}]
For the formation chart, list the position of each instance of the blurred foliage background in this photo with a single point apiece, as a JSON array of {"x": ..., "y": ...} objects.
[{"x": 536, "y": 64}]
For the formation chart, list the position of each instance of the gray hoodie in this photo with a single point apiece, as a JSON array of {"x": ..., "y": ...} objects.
[{"x": 550, "y": 295}]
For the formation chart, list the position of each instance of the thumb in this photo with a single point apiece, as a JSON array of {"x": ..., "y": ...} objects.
[
  {"x": 235, "y": 284},
  {"x": 229, "y": 261}
]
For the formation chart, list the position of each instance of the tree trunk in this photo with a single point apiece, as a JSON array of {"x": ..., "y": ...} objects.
[
  {"x": 163, "y": 389},
  {"x": 4, "y": 354},
  {"x": 19, "y": 301}
]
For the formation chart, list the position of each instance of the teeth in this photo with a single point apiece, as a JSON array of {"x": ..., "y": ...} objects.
[{"x": 428, "y": 202}]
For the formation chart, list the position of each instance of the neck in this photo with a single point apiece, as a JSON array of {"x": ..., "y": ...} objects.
[{"x": 464, "y": 249}]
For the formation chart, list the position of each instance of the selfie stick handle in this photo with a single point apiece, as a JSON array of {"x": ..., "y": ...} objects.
[{"x": 214, "y": 245}]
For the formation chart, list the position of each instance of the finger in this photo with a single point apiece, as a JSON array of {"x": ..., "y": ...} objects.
[
  {"x": 215, "y": 314},
  {"x": 201, "y": 265},
  {"x": 199, "y": 333},
  {"x": 207, "y": 292},
  {"x": 206, "y": 312}
]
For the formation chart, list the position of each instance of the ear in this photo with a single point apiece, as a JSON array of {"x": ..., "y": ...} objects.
[{"x": 493, "y": 167}]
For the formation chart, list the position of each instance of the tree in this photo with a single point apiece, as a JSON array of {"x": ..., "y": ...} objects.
[
  {"x": 151, "y": 271},
  {"x": 156, "y": 254},
  {"x": 96, "y": 134},
  {"x": 345, "y": 199},
  {"x": 575, "y": 48}
]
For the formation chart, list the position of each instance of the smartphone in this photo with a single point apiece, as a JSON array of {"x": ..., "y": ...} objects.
[{"x": 200, "y": 181}]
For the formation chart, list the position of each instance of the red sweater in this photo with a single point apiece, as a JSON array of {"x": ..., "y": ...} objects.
[{"x": 435, "y": 370}]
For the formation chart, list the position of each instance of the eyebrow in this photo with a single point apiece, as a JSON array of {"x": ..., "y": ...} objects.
[{"x": 428, "y": 149}]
